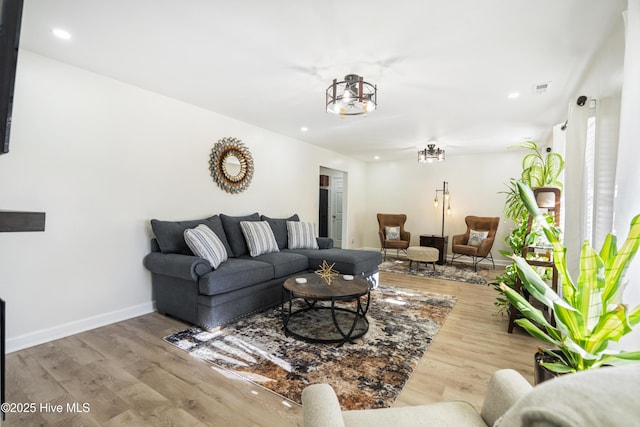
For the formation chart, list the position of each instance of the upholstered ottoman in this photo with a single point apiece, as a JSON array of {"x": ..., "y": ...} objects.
[{"x": 422, "y": 254}]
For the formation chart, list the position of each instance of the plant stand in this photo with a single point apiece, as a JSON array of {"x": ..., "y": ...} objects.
[{"x": 529, "y": 249}]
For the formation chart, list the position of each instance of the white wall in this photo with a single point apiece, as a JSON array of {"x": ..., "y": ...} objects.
[
  {"x": 475, "y": 183},
  {"x": 102, "y": 158}
]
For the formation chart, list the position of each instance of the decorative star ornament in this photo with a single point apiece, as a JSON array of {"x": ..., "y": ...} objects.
[{"x": 326, "y": 272}]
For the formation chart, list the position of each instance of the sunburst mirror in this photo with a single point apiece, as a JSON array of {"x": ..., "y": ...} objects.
[{"x": 231, "y": 165}]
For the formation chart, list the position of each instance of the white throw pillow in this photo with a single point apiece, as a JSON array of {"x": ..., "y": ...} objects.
[
  {"x": 301, "y": 235},
  {"x": 392, "y": 233},
  {"x": 477, "y": 237},
  {"x": 204, "y": 243},
  {"x": 259, "y": 237}
]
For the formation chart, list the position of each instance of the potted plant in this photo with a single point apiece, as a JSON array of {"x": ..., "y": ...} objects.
[
  {"x": 516, "y": 241},
  {"x": 537, "y": 171},
  {"x": 590, "y": 313}
]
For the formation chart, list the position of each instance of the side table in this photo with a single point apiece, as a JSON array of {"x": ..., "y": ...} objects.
[{"x": 438, "y": 242}]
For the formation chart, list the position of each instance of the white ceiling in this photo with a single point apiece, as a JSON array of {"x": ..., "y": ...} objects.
[{"x": 443, "y": 68}]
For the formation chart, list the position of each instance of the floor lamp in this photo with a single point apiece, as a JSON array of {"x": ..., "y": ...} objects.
[{"x": 446, "y": 200}]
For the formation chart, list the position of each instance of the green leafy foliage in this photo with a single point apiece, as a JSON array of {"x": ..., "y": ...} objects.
[
  {"x": 590, "y": 314},
  {"x": 516, "y": 240},
  {"x": 538, "y": 170}
]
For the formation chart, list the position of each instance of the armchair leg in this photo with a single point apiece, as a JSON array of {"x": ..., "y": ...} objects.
[
  {"x": 476, "y": 261},
  {"x": 453, "y": 256}
]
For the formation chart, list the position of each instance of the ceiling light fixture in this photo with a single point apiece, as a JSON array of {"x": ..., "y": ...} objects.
[
  {"x": 351, "y": 97},
  {"x": 431, "y": 154}
]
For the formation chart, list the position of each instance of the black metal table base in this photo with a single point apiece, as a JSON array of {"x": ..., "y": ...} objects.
[{"x": 356, "y": 320}]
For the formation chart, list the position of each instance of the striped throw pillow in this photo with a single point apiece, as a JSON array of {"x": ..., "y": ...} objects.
[
  {"x": 259, "y": 237},
  {"x": 204, "y": 243},
  {"x": 301, "y": 235}
]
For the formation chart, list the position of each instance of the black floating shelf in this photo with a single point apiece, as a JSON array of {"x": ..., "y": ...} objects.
[{"x": 15, "y": 221}]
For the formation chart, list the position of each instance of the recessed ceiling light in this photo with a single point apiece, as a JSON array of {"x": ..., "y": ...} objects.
[
  {"x": 304, "y": 129},
  {"x": 513, "y": 95},
  {"x": 61, "y": 34},
  {"x": 376, "y": 157}
]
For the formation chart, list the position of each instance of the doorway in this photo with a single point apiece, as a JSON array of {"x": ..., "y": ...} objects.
[{"x": 332, "y": 203}]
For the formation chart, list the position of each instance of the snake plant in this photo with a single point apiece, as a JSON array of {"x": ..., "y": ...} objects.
[{"x": 590, "y": 313}]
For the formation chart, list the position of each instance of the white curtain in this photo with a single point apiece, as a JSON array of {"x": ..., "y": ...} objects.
[
  {"x": 627, "y": 199},
  {"x": 606, "y": 152},
  {"x": 591, "y": 160},
  {"x": 575, "y": 198},
  {"x": 602, "y": 181},
  {"x": 627, "y": 202}
]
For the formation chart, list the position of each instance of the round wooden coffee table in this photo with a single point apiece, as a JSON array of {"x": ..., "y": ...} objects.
[{"x": 326, "y": 322}]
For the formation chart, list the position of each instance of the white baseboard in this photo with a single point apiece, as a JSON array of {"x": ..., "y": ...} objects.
[{"x": 77, "y": 326}]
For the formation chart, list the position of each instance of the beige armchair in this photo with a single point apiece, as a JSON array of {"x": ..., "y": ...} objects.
[
  {"x": 603, "y": 397},
  {"x": 321, "y": 407},
  {"x": 477, "y": 241},
  {"x": 403, "y": 238}
]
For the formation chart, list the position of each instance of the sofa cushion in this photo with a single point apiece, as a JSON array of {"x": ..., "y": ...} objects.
[
  {"x": 347, "y": 261},
  {"x": 465, "y": 250},
  {"x": 170, "y": 234},
  {"x": 279, "y": 228},
  {"x": 234, "y": 234},
  {"x": 235, "y": 273},
  {"x": 284, "y": 263},
  {"x": 259, "y": 237},
  {"x": 204, "y": 243},
  {"x": 455, "y": 413},
  {"x": 301, "y": 235},
  {"x": 602, "y": 397}
]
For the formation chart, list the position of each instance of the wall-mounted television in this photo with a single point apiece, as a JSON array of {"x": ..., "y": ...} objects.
[{"x": 10, "y": 20}]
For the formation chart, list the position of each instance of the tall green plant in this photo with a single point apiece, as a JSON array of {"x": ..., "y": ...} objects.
[
  {"x": 590, "y": 314},
  {"x": 538, "y": 170},
  {"x": 516, "y": 240}
]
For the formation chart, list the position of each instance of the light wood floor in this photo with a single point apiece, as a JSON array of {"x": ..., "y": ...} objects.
[{"x": 128, "y": 376}]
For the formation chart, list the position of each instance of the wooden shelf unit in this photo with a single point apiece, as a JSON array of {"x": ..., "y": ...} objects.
[{"x": 526, "y": 250}]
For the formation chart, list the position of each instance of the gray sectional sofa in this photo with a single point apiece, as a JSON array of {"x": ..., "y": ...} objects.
[{"x": 188, "y": 288}]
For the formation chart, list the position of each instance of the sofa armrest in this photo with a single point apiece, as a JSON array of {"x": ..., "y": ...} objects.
[
  {"x": 505, "y": 387},
  {"x": 324, "y": 242},
  {"x": 185, "y": 267},
  {"x": 320, "y": 407}
]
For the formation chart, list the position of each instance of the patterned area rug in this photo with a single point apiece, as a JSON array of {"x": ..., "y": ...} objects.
[
  {"x": 367, "y": 373},
  {"x": 457, "y": 272}
]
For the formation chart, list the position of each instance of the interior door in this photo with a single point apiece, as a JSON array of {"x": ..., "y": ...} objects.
[
  {"x": 337, "y": 195},
  {"x": 323, "y": 213}
]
